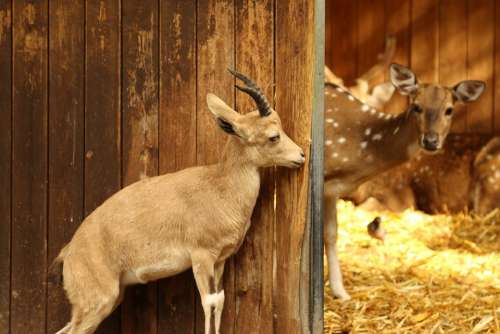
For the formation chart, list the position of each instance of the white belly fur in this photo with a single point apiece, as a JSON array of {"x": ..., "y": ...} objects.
[{"x": 168, "y": 265}]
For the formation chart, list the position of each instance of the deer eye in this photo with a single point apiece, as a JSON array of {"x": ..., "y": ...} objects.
[
  {"x": 415, "y": 108},
  {"x": 448, "y": 111},
  {"x": 274, "y": 139}
]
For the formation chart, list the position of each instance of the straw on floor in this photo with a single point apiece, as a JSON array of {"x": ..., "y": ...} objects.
[{"x": 433, "y": 274}]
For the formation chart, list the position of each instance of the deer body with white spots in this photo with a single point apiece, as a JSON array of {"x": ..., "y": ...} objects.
[
  {"x": 361, "y": 142},
  {"x": 158, "y": 227}
]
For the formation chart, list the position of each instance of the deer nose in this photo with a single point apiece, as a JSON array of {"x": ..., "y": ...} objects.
[{"x": 430, "y": 141}]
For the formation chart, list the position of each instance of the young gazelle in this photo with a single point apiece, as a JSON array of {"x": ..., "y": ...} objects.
[
  {"x": 163, "y": 225},
  {"x": 361, "y": 142}
]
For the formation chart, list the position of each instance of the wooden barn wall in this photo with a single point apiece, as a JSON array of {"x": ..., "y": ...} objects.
[
  {"x": 96, "y": 95},
  {"x": 443, "y": 41}
]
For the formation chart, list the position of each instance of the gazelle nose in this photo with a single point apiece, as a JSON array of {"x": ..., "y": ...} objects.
[{"x": 302, "y": 154}]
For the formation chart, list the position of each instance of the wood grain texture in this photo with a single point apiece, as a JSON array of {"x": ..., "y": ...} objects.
[
  {"x": 344, "y": 40},
  {"x": 177, "y": 141},
  {"x": 425, "y": 41},
  {"x": 254, "y": 261},
  {"x": 496, "y": 74},
  {"x": 371, "y": 34},
  {"x": 6, "y": 160},
  {"x": 66, "y": 121},
  {"x": 453, "y": 51},
  {"x": 29, "y": 168},
  {"x": 102, "y": 113},
  {"x": 480, "y": 52},
  {"x": 140, "y": 135},
  {"x": 215, "y": 37},
  {"x": 294, "y": 87},
  {"x": 397, "y": 18}
]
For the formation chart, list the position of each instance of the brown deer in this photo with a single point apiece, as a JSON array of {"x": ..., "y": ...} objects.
[
  {"x": 361, "y": 142},
  {"x": 368, "y": 88},
  {"x": 486, "y": 178},
  {"x": 194, "y": 218}
]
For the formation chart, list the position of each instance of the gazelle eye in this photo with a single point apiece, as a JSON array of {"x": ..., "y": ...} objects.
[
  {"x": 274, "y": 139},
  {"x": 448, "y": 111},
  {"x": 415, "y": 108}
]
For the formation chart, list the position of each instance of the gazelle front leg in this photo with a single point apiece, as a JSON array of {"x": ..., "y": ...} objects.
[
  {"x": 330, "y": 239},
  {"x": 211, "y": 299}
]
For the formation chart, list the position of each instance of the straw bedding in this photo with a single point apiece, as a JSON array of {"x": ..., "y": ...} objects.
[{"x": 433, "y": 274}]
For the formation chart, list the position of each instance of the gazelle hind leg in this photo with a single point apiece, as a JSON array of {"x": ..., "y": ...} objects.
[
  {"x": 65, "y": 329},
  {"x": 211, "y": 299},
  {"x": 330, "y": 238}
]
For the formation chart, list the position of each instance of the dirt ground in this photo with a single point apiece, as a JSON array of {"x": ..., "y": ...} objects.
[{"x": 433, "y": 274}]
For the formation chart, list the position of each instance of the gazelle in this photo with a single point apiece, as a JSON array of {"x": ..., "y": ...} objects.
[
  {"x": 163, "y": 225},
  {"x": 361, "y": 142}
]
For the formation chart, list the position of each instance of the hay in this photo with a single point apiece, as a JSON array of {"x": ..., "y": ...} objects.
[{"x": 433, "y": 274}]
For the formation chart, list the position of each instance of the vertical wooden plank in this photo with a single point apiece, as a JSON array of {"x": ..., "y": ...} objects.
[
  {"x": 398, "y": 16},
  {"x": 424, "y": 40},
  {"x": 371, "y": 33},
  {"x": 294, "y": 90},
  {"x": 5, "y": 162},
  {"x": 66, "y": 118},
  {"x": 29, "y": 168},
  {"x": 496, "y": 74},
  {"x": 140, "y": 135},
  {"x": 344, "y": 40},
  {"x": 254, "y": 37},
  {"x": 329, "y": 27},
  {"x": 176, "y": 310},
  {"x": 480, "y": 53},
  {"x": 102, "y": 113},
  {"x": 453, "y": 50},
  {"x": 215, "y": 32}
]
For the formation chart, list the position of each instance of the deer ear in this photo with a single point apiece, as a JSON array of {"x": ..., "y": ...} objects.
[
  {"x": 469, "y": 90},
  {"x": 225, "y": 116},
  {"x": 403, "y": 79}
]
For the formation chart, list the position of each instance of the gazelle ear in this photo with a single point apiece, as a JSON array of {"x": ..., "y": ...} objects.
[
  {"x": 403, "y": 79},
  {"x": 469, "y": 90},
  {"x": 225, "y": 116}
]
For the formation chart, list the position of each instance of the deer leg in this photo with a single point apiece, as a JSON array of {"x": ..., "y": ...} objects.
[
  {"x": 211, "y": 300},
  {"x": 330, "y": 238},
  {"x": 219, "y": 271}
]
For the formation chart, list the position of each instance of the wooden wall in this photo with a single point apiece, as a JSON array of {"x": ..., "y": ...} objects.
[
  {"x": 443, "y": 41},
  {"x": 95, "y": 95}
]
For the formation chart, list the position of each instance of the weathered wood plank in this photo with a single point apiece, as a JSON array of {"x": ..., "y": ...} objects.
[
  {"x": 140, "y": 135},
  {"x": 66, "y": 121},
  {"x": 480, "y": 51},
  {"x": 398, "y": 25},
  {"x": 215, "y": 37},
  {"x": 5, "y": 162},
  {"x": 294, "y": 90},
  {"x": 371, "y": 33},
  {"x": 453, "y": 51},
  {"x": 425, "y": 40},
  {"x": 29, "y": 168},
  {"x": 102, "y": 113},
  {"x": 496, "y": 74},
  {"x": 177, "y": 142},
  {"x": 254, "y": 261},
  {"x": 344, "y": 40}
]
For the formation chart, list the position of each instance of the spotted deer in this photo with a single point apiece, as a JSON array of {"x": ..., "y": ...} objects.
[
  {"x": 361, "y": 142},
  {"x": 485, "y": 188},
  {"x": 368, "y": 88},
  {"x": 194, "y": 218}
]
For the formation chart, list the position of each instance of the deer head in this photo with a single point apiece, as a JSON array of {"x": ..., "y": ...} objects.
[
  {"x": 432, "y": 105},
  {"x": 260, "y": 131}
]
